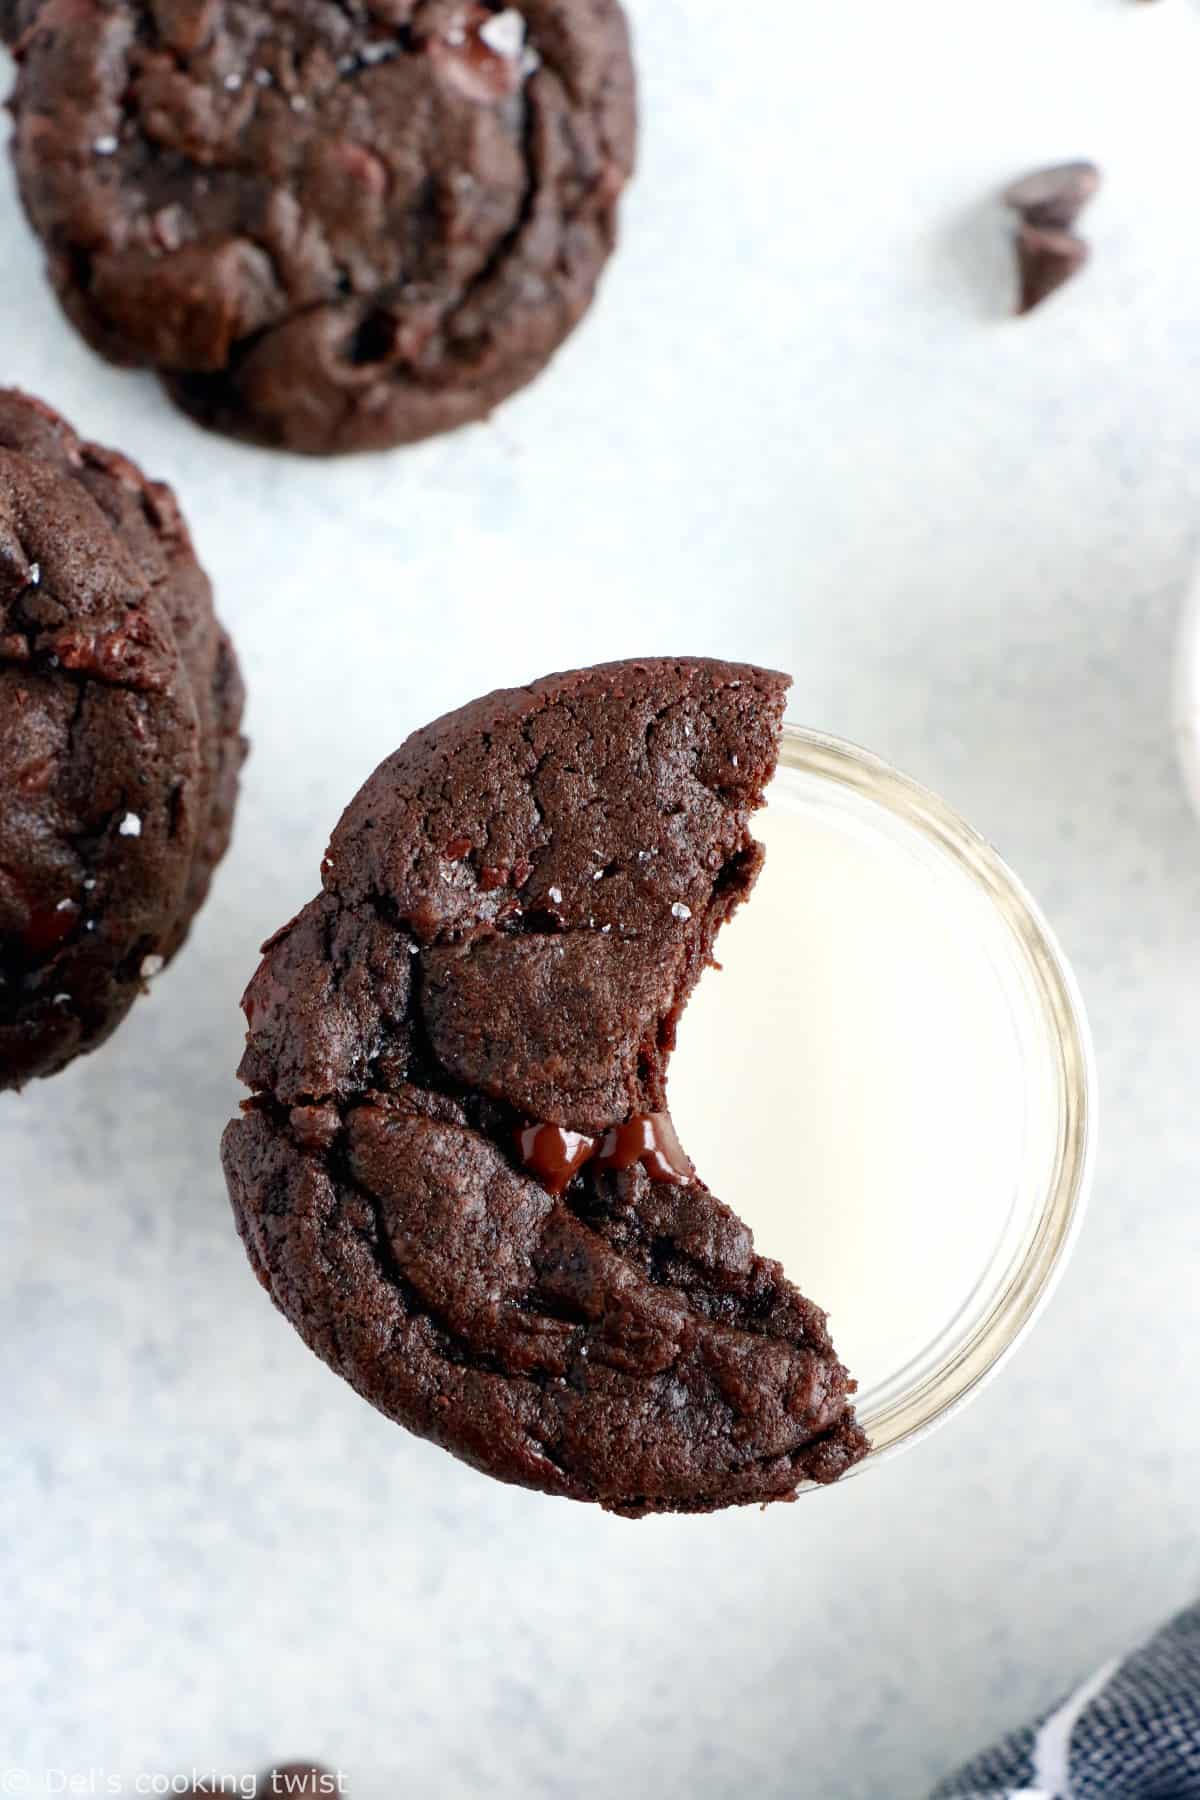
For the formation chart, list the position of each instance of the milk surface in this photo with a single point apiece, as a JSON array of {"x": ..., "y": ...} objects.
[{"x": 853, "y": 1080}]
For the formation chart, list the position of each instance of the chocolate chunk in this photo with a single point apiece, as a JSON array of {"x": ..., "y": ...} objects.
[
  {"x": 1054, "y": 197},
  {"x": 1046, "y": 259},
  {"x": 556, "y": 1155},
  {"x": 553, "y": 1154},
  {"x": 649, "y": 1139}
]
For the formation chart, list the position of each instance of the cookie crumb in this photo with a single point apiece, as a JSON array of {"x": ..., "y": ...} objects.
[{"x": 1048, "y": 202}]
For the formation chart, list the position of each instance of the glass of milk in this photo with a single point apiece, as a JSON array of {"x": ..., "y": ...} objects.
[{"x": 891, "y": 1081}]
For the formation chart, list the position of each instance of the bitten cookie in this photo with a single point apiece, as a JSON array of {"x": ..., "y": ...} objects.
[
  {"x": 329, "y": 227},
  {"x": 458, "y": 1177},
  {"x": 120, "y": 707}
]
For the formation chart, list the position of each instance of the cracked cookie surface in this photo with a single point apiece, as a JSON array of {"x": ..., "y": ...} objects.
[
  {"x": 120, "y": 706},
  {"x": 514, "y": 910},
  {"x": 330, "y": 225}
]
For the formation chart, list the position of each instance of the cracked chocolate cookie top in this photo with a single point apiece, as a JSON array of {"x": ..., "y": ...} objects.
[
  {"x": 120, "y": 703},
  {"x": 458, "y": 1178},
  {"x": 329, "y": 224}
]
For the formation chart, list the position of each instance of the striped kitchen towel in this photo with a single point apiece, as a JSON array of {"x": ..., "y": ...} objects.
[{"x": 1130, "y": 1733}]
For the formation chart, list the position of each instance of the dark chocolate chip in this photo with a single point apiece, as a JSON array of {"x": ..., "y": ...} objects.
[
  {"x": 1045, "y": 260},
  {"x": 1054, "y": 197}
]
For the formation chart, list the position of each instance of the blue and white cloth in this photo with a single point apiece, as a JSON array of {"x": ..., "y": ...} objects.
[{"x": 1130, "y": 1733}]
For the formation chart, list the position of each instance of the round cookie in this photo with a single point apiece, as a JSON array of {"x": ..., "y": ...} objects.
[
  {"x": 458, "y": 1178},
  {"x": 329, "y": 227},
  {"x": 120, "y": 706}
]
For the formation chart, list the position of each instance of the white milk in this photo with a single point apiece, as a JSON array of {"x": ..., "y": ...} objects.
[{"x": 856, "y": 1081}]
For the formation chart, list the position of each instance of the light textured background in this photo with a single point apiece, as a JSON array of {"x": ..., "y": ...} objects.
[{"x": 798, "y": 428}]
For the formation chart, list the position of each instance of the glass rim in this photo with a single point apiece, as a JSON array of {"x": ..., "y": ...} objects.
[{"x": 907, "y": 1417}]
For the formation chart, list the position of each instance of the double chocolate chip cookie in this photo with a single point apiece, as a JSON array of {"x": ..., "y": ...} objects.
[
  {"x": 329, "y": 224},
  {"x": 458, "y": 1177},
  {"x": 120, "y": 705}
]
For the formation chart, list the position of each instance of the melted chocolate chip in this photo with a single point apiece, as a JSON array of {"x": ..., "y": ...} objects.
[
  {"x": 650, "y": 1140},
  {"x": 554, "y": 1155},
  {"x": 1049, "y": 201}
]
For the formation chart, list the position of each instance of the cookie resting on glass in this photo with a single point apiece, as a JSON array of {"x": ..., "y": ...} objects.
[
  {"x": 120, "y": 708},
  {"x": 327, "y": 227},
  {"x": 457, "y": 1176}
]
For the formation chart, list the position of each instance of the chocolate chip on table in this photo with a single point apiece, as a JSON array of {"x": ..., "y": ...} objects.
[
  {"x": 1048, "y": 202},
  {"x": 1045, "y": 260},
  {"x": 1054, "y": 196}
]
